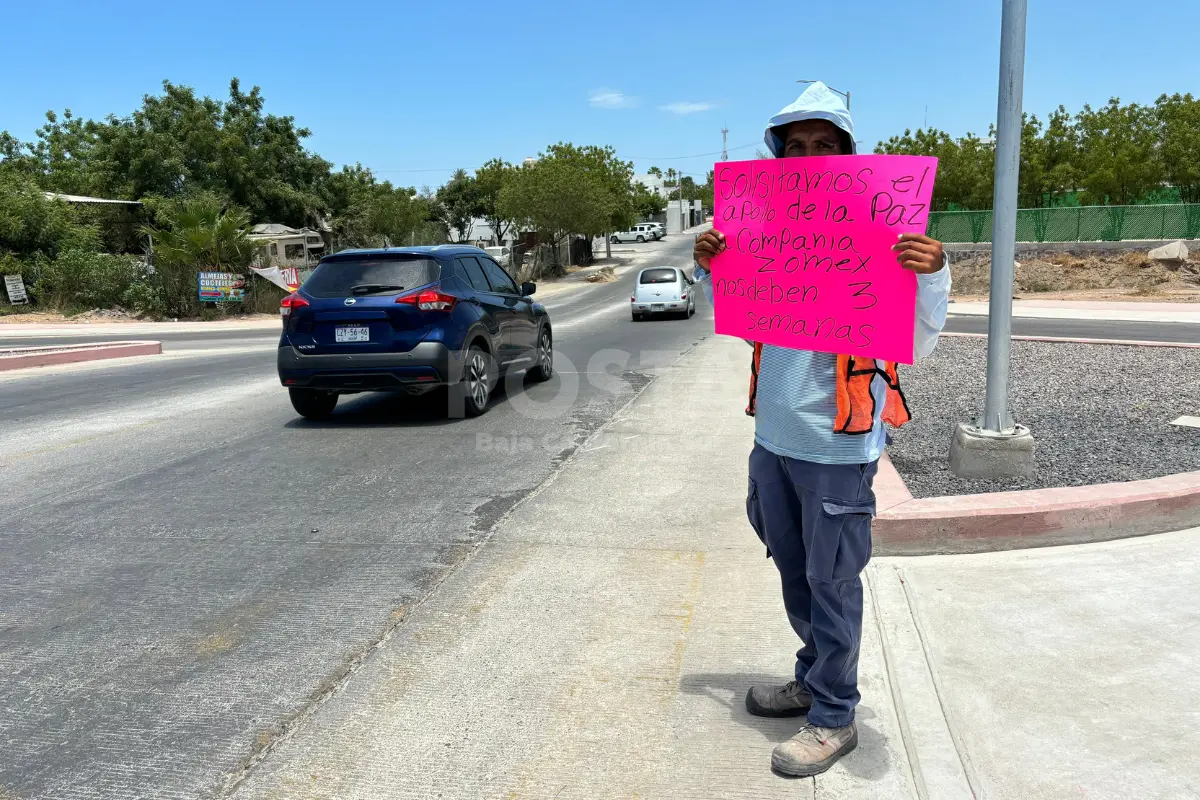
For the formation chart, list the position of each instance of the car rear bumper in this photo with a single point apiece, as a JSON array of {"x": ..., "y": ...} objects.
[
  {"x": 427, "y": 365},
  {"x": 668, "y": 307}
]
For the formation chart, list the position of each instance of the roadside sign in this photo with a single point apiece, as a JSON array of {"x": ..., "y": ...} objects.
[
  {"x": 16, "y": 290},
  {"x": 221, "y": 287}
]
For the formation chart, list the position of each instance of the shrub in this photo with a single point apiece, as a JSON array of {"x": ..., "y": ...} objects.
[
  {"x": 79, "y": 280},
  {"x": 144, "y": 299}
]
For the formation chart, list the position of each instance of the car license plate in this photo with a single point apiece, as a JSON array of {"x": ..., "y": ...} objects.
[
  {"x": 657, "y": 306},
  {"x": 352, "y": 334}
]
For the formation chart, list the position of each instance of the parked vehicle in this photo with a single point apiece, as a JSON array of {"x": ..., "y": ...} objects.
[
  {"x": 410, "y": 319},
  {"x": 662, "y": 229},
  {"x": 502, "y": 255},
  {"x": 629, "y": 236},
  {"x": 662, "y": 290},
  {"x": 650, "y": 230}
]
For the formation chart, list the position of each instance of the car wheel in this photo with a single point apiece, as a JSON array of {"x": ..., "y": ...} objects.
[
  {"x": 641, "y": 240},
  {"x": 474, "y": 391},
  {"x": 544, "y": 369},
  {"x": 313, "y": 403},
  {"x": 637, "y": 317},
  {"x": 615, "y": 240}
]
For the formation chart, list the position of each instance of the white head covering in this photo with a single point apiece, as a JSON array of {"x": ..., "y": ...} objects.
[{"x": 818, "y": 101}]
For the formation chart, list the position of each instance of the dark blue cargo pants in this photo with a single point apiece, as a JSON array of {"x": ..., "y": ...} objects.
[{"x": 815, "y": 520}]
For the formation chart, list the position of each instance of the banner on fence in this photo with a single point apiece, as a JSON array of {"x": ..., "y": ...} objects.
[
  {"x": 221, "y": 287},
  {"x": 808, "y": 263},
  {"x": 286, "y": 278}
]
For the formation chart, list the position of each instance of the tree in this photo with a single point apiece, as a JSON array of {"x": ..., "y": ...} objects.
[
  {"x": 32, "y": 225},
  {"x": 461, "y": 201},
  {"x": 196, "y": 234},
  {"x": 965, "y": 166},
  {"x": 567, "y": 190},
  {"x": 1119, "y": 158},
  {"x": 647, "y": 203},
  {"x": 655, "y": 171},
  {"x": 177, "y": 144},
  {"x": 490, "y": 180},
  {"x": 1061, "y": 147},
  {"x": 375, "y": 214},
  {"x": 1179, "y": 129}
]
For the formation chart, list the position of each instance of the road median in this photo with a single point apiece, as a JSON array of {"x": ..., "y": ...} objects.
[{"x": 12, "y": 358}]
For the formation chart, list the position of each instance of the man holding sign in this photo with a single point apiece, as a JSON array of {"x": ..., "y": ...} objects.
[{"x": 823, "y": 265}]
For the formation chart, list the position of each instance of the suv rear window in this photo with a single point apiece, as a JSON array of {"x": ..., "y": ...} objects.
[
  {"x": 659, "y": 276},
  {"x": 338, "y": 278}
]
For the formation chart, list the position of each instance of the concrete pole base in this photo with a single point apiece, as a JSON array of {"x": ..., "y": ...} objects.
[{"x": 978, "y": 453}]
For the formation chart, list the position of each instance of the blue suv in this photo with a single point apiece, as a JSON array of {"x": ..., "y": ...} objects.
[{"x": 410, "y": 319}]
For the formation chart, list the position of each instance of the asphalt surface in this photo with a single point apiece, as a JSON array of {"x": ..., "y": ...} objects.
[
  {"x": 1175, "y": 332},
  {"x": 187, "y": 569}
]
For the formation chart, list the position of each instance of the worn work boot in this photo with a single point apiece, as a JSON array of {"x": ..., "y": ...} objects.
[
  {"x": 814, "y": 750},
  {"x": 789, "y": 700}
]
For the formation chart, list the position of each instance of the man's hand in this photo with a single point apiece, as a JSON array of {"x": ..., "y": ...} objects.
[
  {"x": 916, "y": 252},
  {"x": 708, "y": 244}
]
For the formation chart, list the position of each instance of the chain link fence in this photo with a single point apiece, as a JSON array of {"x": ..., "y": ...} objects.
[{"x": 1078, "y": 224}]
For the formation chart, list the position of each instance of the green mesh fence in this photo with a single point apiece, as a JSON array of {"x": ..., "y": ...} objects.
[{"x": 1079, "y": 224}]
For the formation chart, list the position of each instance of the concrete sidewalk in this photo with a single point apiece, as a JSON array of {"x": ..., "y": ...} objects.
[
  {"x": 601, "y": 642},
  {"x": 1125, "y": 311}
]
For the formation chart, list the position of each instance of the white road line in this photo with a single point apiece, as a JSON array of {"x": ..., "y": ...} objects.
[{"x": 579, "y": 319}]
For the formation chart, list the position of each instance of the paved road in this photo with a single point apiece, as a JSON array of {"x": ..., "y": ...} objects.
[
  {"x": 1083, "y": 328},
  {"x": 187, "y": 569}
]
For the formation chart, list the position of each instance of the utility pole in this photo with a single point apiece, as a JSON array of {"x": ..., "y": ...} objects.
[
  {"x": 725, "y": 143},
  {"x": 996, "y": 446}
]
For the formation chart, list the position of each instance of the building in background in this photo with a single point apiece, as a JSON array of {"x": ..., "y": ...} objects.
[
  {"x": 653, "y": 183},
  {"x": 677, "y": 219},
  {"x": 281, "y": 246}
]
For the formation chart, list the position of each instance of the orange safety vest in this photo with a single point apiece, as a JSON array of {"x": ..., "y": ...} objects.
[{"x": 855, "y": 403}]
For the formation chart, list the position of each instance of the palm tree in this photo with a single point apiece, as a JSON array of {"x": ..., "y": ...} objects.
[{"x": 197, "y": 235}]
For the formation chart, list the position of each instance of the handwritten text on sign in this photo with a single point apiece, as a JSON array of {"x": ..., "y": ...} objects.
[{"x": 808, "y": 261}]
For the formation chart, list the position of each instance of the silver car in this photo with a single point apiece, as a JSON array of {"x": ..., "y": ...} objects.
[
  {"x": 662, "y": 290},
  {"x": 630, "y": 236}
]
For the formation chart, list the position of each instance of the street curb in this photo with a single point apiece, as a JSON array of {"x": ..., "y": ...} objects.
[
  {"x": 1077, "y": 340},
  {"x": 25, "y": 357},
  {"x": 980, "y": 523}
]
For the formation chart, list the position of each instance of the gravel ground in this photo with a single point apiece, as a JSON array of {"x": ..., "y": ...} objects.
[{"x": 1098, "y": 413}]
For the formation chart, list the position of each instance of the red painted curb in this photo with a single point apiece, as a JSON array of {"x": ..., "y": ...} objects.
[
  {"x": 25, "y": 357},
  {"x": 979, "y": 523}
]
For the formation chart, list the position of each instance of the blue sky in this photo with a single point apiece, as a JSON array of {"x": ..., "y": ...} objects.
[{"x": 414, "y": 90}]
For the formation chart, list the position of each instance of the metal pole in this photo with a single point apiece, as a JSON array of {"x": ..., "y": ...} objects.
[{"x": 996, "y": 417}]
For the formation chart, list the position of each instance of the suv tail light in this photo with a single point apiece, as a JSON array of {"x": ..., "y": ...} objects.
[
  {"x": 293, "y": 300},
  {"x": 429, "y": 300},
  {"x": 683, "y": 296}
]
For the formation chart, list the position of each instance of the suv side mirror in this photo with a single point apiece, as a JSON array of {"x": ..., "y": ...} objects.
[{"x": 528, "y": 288}]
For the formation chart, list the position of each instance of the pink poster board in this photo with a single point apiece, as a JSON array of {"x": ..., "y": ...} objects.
[{"x": 808, "y": 262}]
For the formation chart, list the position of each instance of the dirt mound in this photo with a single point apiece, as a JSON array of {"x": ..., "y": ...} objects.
[
  {"x": 602, "y": 275},
  {"x": 1129, "y": 272}
]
